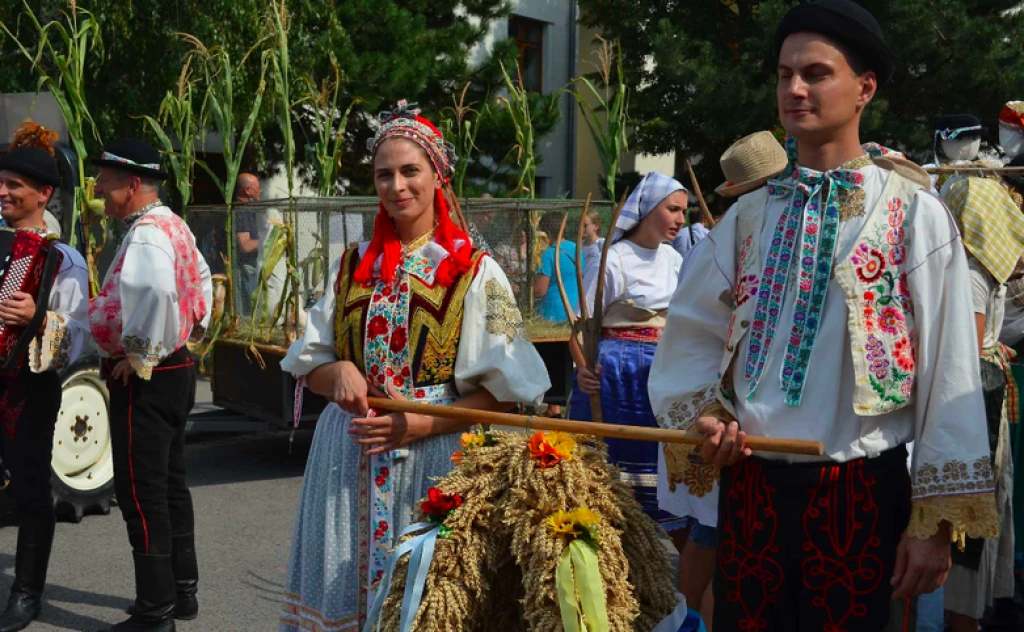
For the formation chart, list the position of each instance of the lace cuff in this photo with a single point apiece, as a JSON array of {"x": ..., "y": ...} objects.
[
  {"x": 49, "y": 351},
  {"x": 973, "y": 515},
  {"x": 143, "y": 370}
]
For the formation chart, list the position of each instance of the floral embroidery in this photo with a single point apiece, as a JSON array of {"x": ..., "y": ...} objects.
[
  {"x": 851, "y": 204},
  {"x": 869, "y": 262},
  {"x": 503, "y": 317},
  {"x": 746, "y": 288},
  {"x": 954, "y": 477},
  {"x": 684, "y": 464},
  {"x": 815, "y": 207},
  {"x": 683, "y": 412},
  {"x": 150, "y": 352}
]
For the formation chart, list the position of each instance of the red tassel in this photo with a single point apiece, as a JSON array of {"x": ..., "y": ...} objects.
[{"x": 385, "y": 242}]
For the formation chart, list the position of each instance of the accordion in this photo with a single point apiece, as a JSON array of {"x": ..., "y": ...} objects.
[{"x": 28, "y": 263}]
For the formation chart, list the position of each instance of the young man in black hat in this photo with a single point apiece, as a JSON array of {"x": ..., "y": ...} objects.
[
  {"x": 156, "y": 295},
  {"x": 836, "y": 307},
  {"x": 31, "y": 398}
]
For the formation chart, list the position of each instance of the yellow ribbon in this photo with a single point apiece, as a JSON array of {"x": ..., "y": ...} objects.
[{"x": 580, "y": 590}]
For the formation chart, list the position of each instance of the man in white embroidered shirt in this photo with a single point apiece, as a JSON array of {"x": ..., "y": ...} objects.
[
  {"x": 836, "y": 307},
  {"x": 155, "y": 296}
]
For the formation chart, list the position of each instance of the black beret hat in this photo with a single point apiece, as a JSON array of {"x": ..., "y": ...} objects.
[
  {"x": 846, "y": 23},
  {"x": 34, "y": 162}
]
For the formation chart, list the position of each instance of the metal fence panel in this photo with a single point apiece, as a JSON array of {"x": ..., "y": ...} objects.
[{"x": 506, "y": 228}]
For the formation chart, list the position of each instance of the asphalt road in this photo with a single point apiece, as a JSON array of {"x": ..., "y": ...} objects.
[{"x": 245, "y": 488}]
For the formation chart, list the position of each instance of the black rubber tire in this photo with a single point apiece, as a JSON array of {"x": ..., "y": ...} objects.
[{"x": 73, "y": 502}]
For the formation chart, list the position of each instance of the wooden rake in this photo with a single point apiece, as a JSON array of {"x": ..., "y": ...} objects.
[{"x": 586, "y": 329}]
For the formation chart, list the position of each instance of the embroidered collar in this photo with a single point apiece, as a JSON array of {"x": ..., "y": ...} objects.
[
  {"x": 41, "y": 231},
  {"x": 128, "y": 222},
  {"x": 813, "y": 216},
  {"x": 419, "y": 242}
]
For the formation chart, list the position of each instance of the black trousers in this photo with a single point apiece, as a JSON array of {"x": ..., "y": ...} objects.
[
  {"x": 806, "y": 547},
  {"x": 147, "y": 434},
  {"x": 29, "y": 403}
]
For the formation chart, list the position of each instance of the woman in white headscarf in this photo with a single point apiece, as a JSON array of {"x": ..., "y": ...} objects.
[{"x": 639, "y": 280}]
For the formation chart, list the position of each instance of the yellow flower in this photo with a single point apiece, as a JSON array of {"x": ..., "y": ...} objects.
[
  {"x": 473, "y": 440},
  {"x": 550, "y": 448},
  {"x": 563, "y": 444},
  {"x": 579, "y": 523},
  {"x": 562, "y": 523}
]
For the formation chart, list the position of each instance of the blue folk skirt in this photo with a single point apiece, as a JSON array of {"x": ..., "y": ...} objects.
[{"x": 626, "y": 367}]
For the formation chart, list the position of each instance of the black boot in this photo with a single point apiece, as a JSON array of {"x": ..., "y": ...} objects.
[
  {"x": 154, "y": 601},
  {"x": 35, "y": 539},
  {"x": 186, "y": 578}
]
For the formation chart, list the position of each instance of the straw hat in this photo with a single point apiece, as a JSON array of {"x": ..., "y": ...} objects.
[{"x": 749, "y": 162}]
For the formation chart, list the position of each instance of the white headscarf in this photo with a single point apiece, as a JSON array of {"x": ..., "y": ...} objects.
[{"x": 652, "y": 190}]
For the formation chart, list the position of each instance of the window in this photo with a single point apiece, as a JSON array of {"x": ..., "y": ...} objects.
[{"x": 529, "y": 37}]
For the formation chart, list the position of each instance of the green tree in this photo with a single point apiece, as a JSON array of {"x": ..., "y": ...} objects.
[
  {"x": 387, "y": 49},
  {"x": 713, "y": 74}
]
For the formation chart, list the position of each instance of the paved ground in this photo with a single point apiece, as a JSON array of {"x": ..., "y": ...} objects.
[{"x": 245, "y": 488}]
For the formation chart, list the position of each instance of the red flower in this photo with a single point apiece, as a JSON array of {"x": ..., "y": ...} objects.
[
  {"x": 381, "y": 530},
  {"x": 378, "y": 326},
  {"x": 398, "y": 381},
  {"x": 384, "y": 471},
  {"x": 872, "y": 268},
  {"x": 380, "y": 480},
  {"x": 406, "y": 372},
  {"x": 399, "y": 338},
  {"x": 438, "y": 504},
  {"x": 420, "y": 393}
]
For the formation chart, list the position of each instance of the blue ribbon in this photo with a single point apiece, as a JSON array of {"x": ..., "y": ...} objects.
[{"x": 421, "y": 552}]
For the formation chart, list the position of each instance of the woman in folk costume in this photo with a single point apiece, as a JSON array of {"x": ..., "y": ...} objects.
[
  {"x": 993, "y": 231},
  {"x": 639, "y": 279},
  {"x": 418, "y": 314}
]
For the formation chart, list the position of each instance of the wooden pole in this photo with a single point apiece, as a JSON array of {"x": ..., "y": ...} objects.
[
  {"x": 700, "y": 196},
  {"x": 613, "y": 431},
  {"x": 969, "y": 169}
]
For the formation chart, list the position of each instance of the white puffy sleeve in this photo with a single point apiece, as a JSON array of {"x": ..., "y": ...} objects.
[
  {"x": 316, "y": 346},
  {"x": 149, "y": 300},
  {"x": 952, "y": 467},
  {"x": 206, "y": 280},
  {"x": 684, "y": 378},
  {"x": 65, "y": 334},
  {"x": 494, "y": 352}
]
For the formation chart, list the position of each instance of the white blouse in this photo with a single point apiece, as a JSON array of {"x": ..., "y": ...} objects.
[
  {"x": 645, "y": 276},
  {"x": 493, "y": 353},
  {"x": 65, "y": 334}
]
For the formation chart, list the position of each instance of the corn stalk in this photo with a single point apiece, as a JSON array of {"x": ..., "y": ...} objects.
[
  {"x": 62, "y": 49},
  {"x": 329, "y": 143},
  {"x": 606, "y": 111},
  {"x": 218, "y": 105},
  {"x": 461, "y": 124},
  {"x": 177, "y": 117},
  {"x": 518, "y": 104}
]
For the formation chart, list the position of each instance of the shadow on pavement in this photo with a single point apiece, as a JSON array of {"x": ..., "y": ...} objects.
[
  {"x": 226, "y": 459},
  {"x": 61, "y": 617}
]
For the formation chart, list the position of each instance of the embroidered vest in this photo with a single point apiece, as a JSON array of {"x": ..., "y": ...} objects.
[
  {"x": 406, "y": 332},
  {"x": 105, "y": 317},
  {"x": 870, "y": 268}
]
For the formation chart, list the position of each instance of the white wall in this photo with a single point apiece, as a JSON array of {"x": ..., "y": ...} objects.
[{"x": 559, "y": 68}]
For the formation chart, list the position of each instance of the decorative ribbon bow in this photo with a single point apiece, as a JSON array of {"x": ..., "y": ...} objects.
[
  {"x": 812, "y": 191},
  {"x": 421, "y": 552}
]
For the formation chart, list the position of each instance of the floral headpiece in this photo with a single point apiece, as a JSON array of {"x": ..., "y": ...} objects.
[{"x": 405, "y": 121}]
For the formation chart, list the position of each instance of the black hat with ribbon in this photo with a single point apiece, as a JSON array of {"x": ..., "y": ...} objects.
[
  {"x": 133, "y": 155},
  {"x": 954, "y": 126},
  {"x": 847, "y": 23}
]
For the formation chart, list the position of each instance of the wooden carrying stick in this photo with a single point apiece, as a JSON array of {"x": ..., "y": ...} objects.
[
  {"x": 700, "y": 196},
  {"x": 587, "y": 329},
  {"x": 613, "y": 431},
  {"x": 970, "y": 169}
]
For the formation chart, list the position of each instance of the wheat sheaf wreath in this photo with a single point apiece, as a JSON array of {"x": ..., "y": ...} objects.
[{"x": 519, "y": 500}]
